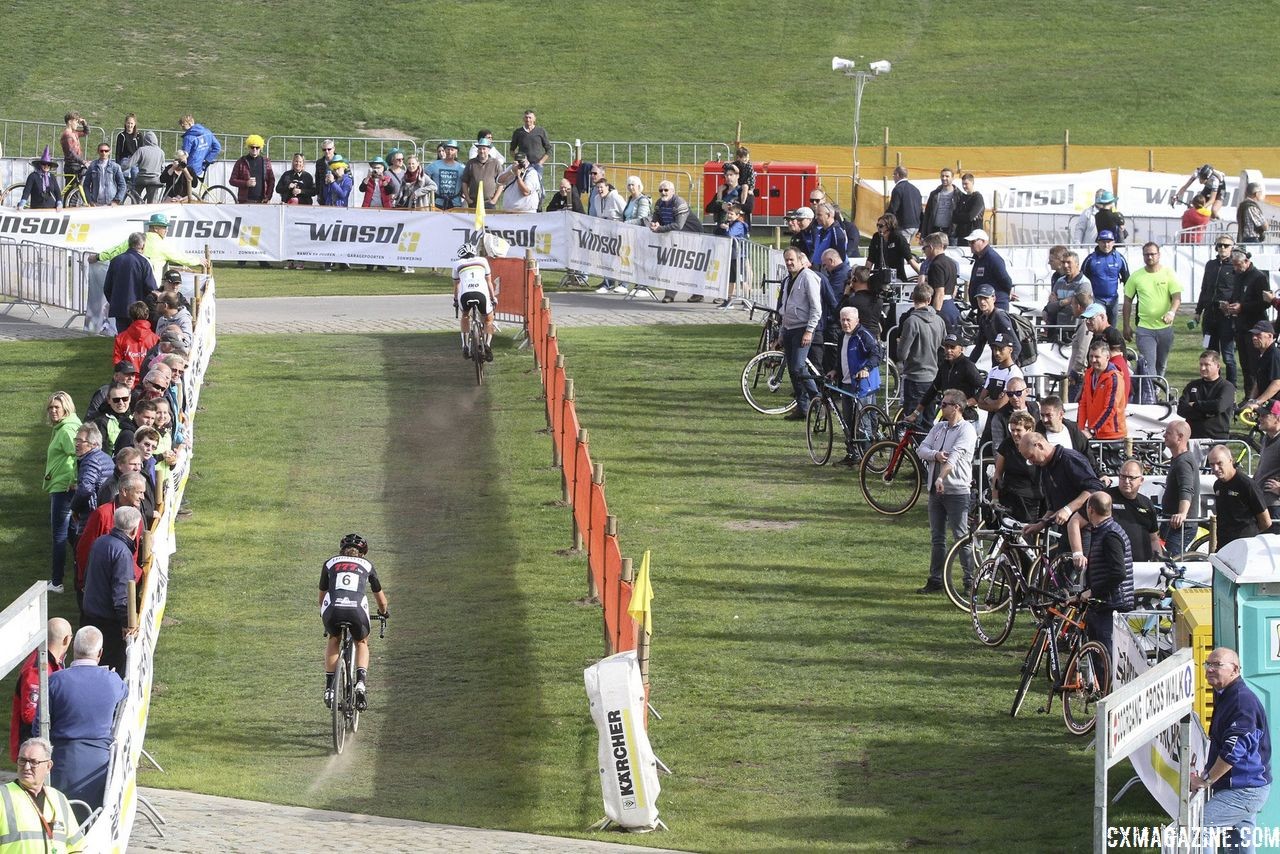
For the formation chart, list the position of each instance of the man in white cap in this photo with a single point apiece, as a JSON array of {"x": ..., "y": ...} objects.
[
  {"x": 800, "y": 222},
  {"x": 989, "y": 269}
]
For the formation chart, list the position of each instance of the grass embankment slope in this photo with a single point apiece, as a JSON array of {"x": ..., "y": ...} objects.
[
  {"x": 811, "y": 699},
  {"x": 991, "y": 73}
]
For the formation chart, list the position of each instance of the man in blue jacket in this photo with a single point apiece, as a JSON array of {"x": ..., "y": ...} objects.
[
  {"x": 106, "y": 591},
  {"x": 859, "y": 373},
  {"x": 129, "y": 279},
  {"x": 989, "y": 269},
  {"x": 201, "y": 146},
  {"x": 1238, "y": 767},
  {"x": 1107, "y": 270},
  {"x": 82, "y": 705},
  {"x": 104, "y": 180}
]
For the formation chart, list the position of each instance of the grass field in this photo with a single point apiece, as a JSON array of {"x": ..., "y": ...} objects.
[
  {"x": 809, "y": 696},
  {"x": 250, "y": 281},
  {"x": 991, "y": 73}
]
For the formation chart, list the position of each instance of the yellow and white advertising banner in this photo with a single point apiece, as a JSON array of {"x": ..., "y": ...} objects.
[
  {"x": 111, "y": 829},
  {"x": 675, "y": 260},
  {"x": 628, "y": 770},
  {"x": 1156, "y": 761}
]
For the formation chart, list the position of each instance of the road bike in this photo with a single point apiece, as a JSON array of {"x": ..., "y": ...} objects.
[
  {"x": 1082, "y": 681},
  {"x": 1013, "y": 579},
  {"x": 826, "y": 412},
  {"x": 891, "y": 474},
  {"x": 346, "y": 712}
]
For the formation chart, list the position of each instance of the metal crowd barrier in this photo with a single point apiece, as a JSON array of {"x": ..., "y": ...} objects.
[
  {"x": 28, "y": 139},
  {"x": 759, "y": 281},
  {"x": 356, "y": 149},
  {"x": 36, "y": 276}
]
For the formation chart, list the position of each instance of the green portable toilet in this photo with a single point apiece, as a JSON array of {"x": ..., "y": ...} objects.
[{"x": 1246, "y": 618}]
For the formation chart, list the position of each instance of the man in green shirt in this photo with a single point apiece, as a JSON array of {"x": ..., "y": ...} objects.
[
  {"x": 1159, "y": 296},
  {"x": 157, "y": 250}
]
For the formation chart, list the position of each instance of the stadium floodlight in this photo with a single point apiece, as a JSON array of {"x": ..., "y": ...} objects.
[{"x": 860, "y": 78}]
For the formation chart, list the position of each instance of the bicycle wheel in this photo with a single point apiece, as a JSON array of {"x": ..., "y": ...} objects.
[
  {"x": 1030, "y": 667},
  {"x": 12, "y": 195},
  {"x": 980, "y": 541},
  {"x": 476, "y": 337},
  {"x": 218, "y": 195},
  {"x": 339, "y": 702},
  {"x": 765, "y": 385},
  {"x": 353, "y": 711},
  {"x": 131, "y": 197},
  {"x": 874, "y": 423},
  {"x": 890, "y": 478},
  {"x": 74, "y": 197},
  {"x": 818, "y": 434},
  {"x": 991, "y": 604},
  {"x": 1086, "y": 680}
]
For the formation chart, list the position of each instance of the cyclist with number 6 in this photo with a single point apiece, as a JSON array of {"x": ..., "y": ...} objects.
[
  {"x": 344, "y": 581},
  {"x": 473, "y": 283}
]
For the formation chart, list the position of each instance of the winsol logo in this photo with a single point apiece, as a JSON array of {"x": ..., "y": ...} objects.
[
  {"x": 217, "y": 229},
  {"x": 1056, "y": 197},
  {"x": 680, "y": 258},
  {"x": 525, "y": 238},
  {"x": 605, "y": 244},
  {"x": 34, "y": 224},
  {"x": 338, "y": 232}
]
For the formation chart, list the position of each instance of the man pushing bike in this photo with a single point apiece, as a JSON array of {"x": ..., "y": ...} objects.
[{"x": 343, "y": 582}]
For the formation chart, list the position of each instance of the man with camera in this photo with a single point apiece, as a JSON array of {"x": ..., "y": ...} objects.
[{"x": 522, "y": 185}]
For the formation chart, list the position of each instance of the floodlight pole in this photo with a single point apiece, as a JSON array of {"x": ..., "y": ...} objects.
[{"x": 860, "y": 80}]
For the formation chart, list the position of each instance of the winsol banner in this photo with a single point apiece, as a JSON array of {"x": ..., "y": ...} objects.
[
  {"x": 628, "y": 770},
  {"x": 1157, "y": 761},
  {"x": 682, "y": 261},
  {"x": 1066, "y": 193}
]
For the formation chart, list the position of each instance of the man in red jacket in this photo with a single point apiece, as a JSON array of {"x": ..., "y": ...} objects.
[
  {"x": 26, "y": 694},
  {"x": 132, "y": 488}
]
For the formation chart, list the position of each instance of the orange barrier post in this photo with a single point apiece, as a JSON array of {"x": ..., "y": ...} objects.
[
  {"x": 555, "y": 388},
  {"x": 568, "y": 455}
]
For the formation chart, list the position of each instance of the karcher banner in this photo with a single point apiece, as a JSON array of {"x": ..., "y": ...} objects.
[{"x": 628, "y": 771}]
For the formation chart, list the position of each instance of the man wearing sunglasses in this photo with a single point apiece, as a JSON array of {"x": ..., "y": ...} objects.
[
  {"x": 104, "y": 182},
  {"x": 1217, "y": 291},
  {"x": 323, "y": 172}
]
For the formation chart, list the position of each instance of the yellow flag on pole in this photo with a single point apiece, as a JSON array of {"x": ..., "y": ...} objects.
[
  {"x": 642, "y": 597},
  {"x": 480, "y": 206}
]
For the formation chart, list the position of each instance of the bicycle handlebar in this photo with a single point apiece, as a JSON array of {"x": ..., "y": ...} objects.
[{"x": 382, "y": 623}]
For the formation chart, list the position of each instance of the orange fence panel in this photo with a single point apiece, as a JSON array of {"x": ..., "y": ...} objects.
[
  {"x": 567, "y": 438},
  {"x": 555, "y": 401},
  {"x": 582, "y": 488},
  {"x": 511, "y": 293},
  {"x": 628, "y": 629}
]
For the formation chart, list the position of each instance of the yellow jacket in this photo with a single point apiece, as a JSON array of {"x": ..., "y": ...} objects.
[{"x": 23, "y": 832}]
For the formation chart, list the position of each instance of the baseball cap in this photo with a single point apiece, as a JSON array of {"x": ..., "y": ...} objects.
[
  {"x": 978, "y": 234},
  {"x": 952, "y": 340},
  {"x": 173, "y": 276},
  {"x": 984, "y": 291},
  {"x": 1093, "y": 309},
  {"x": 126, "y": 367},
  {"x": 1272, "y": 408},
  {"x": 174, "y": 336},
  {"x": 1002, "y": 339},
  {"x": 1262, "y": 326},
  {"x": 804, "y": 213},
  {"x": 1106, "y": 234}
]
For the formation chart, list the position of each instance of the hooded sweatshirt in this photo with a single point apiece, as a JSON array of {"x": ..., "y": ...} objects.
[{"x": 148, "y": 159}]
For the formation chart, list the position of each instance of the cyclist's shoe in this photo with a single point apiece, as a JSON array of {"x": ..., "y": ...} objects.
[
  {"x": 362, "y": 701},
  {"x": 328, "y": 698},
  {"x": 488, "y": 353},
  {"x": 466, "y": 352},
  {"x": 852, "y": 460}
]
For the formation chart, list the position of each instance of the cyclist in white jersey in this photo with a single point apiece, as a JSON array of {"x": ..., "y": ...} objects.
[{"x": 473, "y": 283}]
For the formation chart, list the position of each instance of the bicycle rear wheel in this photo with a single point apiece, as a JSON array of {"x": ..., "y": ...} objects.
[
  {"x": 1030, "y": 667},
  {"x": 818, "y": 434},
  {"x": 476, "y": 337},
  {"x": 890, "y": 479},
  {"x": 12, "y": 195},
  {"x": 991, "y": 602},
  {"x": 218, "y": 194},
  {"x": 353, "y": 710},
  {"x": 1086, "y": 680},
  {"x": 874, "y": 423},
  {"x": 765, "y": 385},
  {"x": 340, "y": 700}
]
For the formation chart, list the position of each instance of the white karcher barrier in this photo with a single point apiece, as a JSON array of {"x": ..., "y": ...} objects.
[{"x": 628, "y": 769}]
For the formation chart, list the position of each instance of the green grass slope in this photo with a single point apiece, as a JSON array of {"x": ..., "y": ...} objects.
[{"x": 984, "y": 73}]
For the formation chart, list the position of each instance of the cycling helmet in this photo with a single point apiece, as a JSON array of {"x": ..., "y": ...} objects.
[
  {"x": 467, "y": 250},
  {"x": 254, "y": 139},
  {"x": 1204, "y": 171},
  {"x": 355, "y": 541}
]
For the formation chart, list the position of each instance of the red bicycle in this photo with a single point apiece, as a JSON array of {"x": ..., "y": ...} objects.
[{"x": 891, "y": 475}]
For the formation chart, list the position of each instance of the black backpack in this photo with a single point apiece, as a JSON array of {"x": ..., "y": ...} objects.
[{"x": 1025, "y": 329}]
